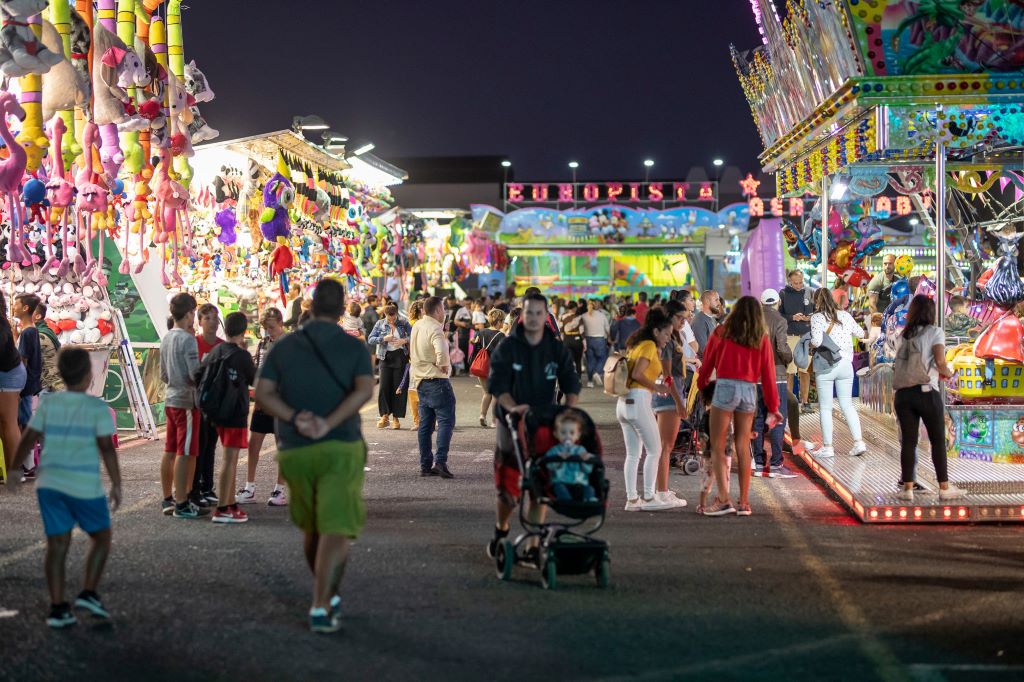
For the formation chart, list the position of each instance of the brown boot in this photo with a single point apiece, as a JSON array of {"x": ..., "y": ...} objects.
[
  {"x": 382, "y": 423},
  {"x": 394, "y": 422}
]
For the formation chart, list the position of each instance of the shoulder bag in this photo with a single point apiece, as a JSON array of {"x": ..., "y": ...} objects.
[
  {"x": 826, "y": 356},
  {"x": 320, "y": 357}
]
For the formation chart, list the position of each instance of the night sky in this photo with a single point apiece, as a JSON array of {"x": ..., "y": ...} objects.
[{"x": 543, "y": 81}]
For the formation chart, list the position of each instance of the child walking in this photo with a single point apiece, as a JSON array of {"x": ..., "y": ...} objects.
[
  {"x": 77, "y": 431},
  {"x": 232, "y": 366}
]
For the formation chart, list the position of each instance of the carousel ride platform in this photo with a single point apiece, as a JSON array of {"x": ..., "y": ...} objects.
[{"x": 868, "y": 484}]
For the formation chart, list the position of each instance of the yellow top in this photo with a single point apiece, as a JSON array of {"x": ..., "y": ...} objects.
[{"x": 649, "y": 351}]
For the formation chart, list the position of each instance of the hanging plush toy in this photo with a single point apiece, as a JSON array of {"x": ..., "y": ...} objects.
[
  {"x": 1005, "y": 287},
  {"x": 21, "y": 52},
  {"x": 281, "y": 261},
  {"x": 278, "y": 195},
  {"x": 226, "y": 220},
  {"x": 64, "y": 87},
  {"x": 199, "y": 89}
]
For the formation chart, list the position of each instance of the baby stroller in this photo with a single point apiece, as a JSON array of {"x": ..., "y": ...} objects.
[
  {"x": 686, "y": 453},
  {"x": 564, "y": 546}
]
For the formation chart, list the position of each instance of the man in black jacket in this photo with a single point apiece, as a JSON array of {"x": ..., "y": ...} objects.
[
  {"x": 797, "y": 308},
  {"x": 525, "y": 370},
  {"x": 777, "y": 328}
]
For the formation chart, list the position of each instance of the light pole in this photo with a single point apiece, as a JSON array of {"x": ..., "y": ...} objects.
[
  {"x": 717, "y": 163},
  {"x": 505, "y": 165},
  {"x": 574, "y": 165},
  {"x": 648, "y": 164}
]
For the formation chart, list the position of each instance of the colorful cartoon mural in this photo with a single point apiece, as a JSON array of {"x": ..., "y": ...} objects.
[
  {"x": 611, "y": 224},
  {"x": 951, "y": 36}
]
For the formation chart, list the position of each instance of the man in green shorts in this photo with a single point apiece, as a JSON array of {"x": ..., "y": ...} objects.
[{"x": 313, "y": 382}]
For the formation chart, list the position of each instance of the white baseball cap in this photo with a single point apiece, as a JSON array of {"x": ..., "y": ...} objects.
[{"x": 769, "y": 297}]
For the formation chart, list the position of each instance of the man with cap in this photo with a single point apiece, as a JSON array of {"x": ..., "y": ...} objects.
[{"x": 777, "y": 332}]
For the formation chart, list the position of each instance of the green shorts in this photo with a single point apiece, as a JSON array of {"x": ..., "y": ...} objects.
[{"x": 325, "y": 486}]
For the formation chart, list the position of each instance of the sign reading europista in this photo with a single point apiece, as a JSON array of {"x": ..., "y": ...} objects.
[{"x": 614, "y": 192}]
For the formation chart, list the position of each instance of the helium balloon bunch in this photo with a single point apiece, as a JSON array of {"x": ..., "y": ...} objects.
[{"x": 853, "y": 236}]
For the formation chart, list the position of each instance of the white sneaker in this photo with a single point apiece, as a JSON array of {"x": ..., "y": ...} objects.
[
  {"x": 905, "y": 494},
  {"x": 635, "y": 505},
  {"x": 670, "y": 497},
  {"x": 590, "y": 384},
  {"x": 246, "y": 496},
  {"x": 951, "y": 493},
  {"x": 656, "y": 504},
  {"x": 809, "y": 445},
  {"x": 825, "y": 452},
  {"x": 859, "y": 448},
  {"x": 278, "y": 499}
]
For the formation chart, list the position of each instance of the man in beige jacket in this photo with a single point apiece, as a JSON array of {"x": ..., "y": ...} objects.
[{"x": 429, "y": 371}]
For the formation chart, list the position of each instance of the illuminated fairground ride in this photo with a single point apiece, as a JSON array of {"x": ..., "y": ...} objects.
[{"x": 856, "y": 97}]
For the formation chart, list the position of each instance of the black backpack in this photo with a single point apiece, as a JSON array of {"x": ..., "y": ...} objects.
[{"x": 221, "y": 397}]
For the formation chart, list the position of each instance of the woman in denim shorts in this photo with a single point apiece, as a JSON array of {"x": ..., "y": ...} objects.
[
  {"x": 12, "y": 380},
  {"x": 740, "y": 354},
  {"x": 670, "y": 409}
]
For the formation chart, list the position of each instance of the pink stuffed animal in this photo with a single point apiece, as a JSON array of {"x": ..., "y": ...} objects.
[{"x": 11, "y": 171}]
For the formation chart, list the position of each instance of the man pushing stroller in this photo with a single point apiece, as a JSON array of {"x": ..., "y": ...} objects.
[{"x": 526, "y": 369}]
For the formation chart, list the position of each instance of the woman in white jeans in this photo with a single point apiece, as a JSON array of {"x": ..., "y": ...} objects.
[
  {"x": 841, "y": 328},
  {"x": 636, "y": 413}
]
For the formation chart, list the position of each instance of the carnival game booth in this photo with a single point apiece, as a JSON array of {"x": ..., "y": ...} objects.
[
  {"x": 97, "y": 102},
  {"x": 855, "y": 98},
  {"x": 275, "y": 212}
]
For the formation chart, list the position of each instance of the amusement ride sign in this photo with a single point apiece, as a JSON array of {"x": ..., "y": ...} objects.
[{"x": 629, "y": 193}]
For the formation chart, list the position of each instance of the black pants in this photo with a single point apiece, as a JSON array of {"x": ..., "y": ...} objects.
[
  {"x": 392, "y": 369},
  {"x": 793, "y": 414},
  {"x": 575, "y": 345},
  {"x": 914, "y": 406},
  {"x": 203, "y": 481}
]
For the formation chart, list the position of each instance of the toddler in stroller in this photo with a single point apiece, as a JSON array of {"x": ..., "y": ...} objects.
[
  {"x": 568, "y": 463},
  {"x": 567, "y": 478}
]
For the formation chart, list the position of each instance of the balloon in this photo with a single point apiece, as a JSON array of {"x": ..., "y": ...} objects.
[
  {"x": 869, "y": 247},
  {"x": 900, "y": 289},
  {"x": 904, "y": 265},
  {"x": 856, "y": 276},
  {"x": 925, "y": 287},
  {"x": 841, "y": 256}
]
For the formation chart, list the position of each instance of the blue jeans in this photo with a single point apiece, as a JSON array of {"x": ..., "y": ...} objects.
[
  {"x": 776, "y": 434},
  {"x": 437, "y": 405},
  {"x": 597, "y": 353}
]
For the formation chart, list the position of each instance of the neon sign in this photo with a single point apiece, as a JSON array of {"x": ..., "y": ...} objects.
[
  {"x": 610, "y": 192},
  {"x": 881, "y": 207}
]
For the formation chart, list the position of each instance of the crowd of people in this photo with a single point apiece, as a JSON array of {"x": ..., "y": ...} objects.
[{"x": 733, "y": 377}]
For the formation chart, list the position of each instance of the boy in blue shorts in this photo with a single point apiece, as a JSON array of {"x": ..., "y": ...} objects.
[{"x": 77, "y": 432}]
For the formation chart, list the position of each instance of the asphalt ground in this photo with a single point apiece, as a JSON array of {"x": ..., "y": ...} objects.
[{"x": 797, "y": 591}]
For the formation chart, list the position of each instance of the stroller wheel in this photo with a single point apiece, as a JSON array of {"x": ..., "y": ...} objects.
[
  {"x": 691, "y": 466},
  {"x": 505, "y": 559},
  {"x": 549, "y": 572},
  {"x": 603, "y": 572}
]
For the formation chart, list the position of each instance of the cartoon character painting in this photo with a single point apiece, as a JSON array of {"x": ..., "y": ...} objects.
[{"x": 954, "y": 36}]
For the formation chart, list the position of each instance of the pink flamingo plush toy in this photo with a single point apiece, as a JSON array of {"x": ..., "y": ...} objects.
[{"x": 12, "y": 169}]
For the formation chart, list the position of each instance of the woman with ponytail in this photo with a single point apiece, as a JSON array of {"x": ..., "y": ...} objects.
[{"x": 636, "y": 414}]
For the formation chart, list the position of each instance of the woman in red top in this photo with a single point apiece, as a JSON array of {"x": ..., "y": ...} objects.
[{"x": 739, "y": 353}]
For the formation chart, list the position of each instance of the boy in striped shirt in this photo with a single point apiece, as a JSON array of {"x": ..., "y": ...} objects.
[{"x": 77, "y": 431}]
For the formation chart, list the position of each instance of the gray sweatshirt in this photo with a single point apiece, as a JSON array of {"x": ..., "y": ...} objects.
[{"x": 179, "y": 359}]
